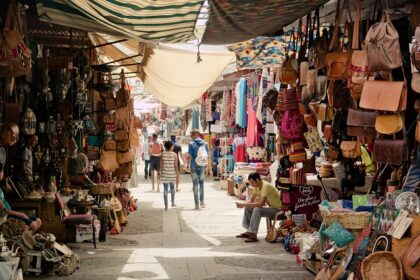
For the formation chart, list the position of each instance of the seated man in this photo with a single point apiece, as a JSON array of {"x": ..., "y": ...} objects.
[{"x": 263, "y": 194}]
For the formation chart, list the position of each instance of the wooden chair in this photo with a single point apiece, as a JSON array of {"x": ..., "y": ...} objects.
[{"x": 76, "y": 219}]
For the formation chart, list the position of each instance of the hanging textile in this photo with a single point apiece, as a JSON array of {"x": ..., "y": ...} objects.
[
  {"x": 259, "y": 52},
  {"x": 261, "y": 90},
  {"x": 232, "y": 116},
  {"x": 239, "y": 149},
  {"x": 203, "y": 116},
  {"x": 242, "y": 103},
  {"x": 232, "y": 21},
  {"x": 252, "y": 125},
  {"x": 209, "y": 116},
  {"x": 157, "y": 21},
  {"x": 195, "y": 120},
  {"x": 237, "y": 107},
  {"x": 224, "y": 118}
]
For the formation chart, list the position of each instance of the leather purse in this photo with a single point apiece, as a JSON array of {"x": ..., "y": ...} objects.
[
  {"x": 383, "y": 47},
  {"x": 321, "y": 88},
  {"x": 123, "y": 94},
  {"x": 122, "y": 117},
  {"x": 109, "y": 119},
  {"x": 328, "y": 133},
  {"x": 310, "y": 120},
  {"x": 123, "y": 146},
  {"x": 270, "y": 99},
  {"x": 124, "y": 157},
  {"x": 137, "y": 123},
  {"x": 93, "y": 153},
  {"x": 303, "y": 72},
  {"x": 108, "y": 160},
  {"x": 337, "y": 64},
  {"x": 350, "y": 149},
  {"x": 339, "y": 95},
  {"x": 306, "y": 95},
  {"x": 288, "y": 72},
  {"x": 121, "y": 135},
  {"x": 311, "y": 79},
  {"x": 390, "y": 151},
  {"x": 358, "y": 72},
  {"x": 415, "y": 54},
  {"x": 361, "y": 123},
  {"x": 389, "y": 124},
  {"x": 319, "y": 49},
  {"x": 110, "y": 104},
  {"x": 418, "y": 131},
  {"x": 110, "y": 145},
  {"x": 384, "y": 96},
  {"x": 325, "y": 112},
  {"x": 415, "y": 82}
]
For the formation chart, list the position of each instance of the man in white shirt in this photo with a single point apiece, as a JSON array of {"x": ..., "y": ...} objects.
[{"x": 146, "y": 157}]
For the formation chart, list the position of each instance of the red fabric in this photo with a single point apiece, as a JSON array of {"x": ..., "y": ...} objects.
[
  {"x": 239, "y": 153},
  {"x": 251, "y": 140}
]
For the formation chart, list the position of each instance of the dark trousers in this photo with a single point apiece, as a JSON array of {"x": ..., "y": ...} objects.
[{"x": 146, "y": 169}]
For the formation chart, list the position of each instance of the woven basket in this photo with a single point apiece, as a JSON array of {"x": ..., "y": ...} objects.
[
  {"x": 382, "y": 266},
  {"x": 102, "y": 189},
  {"x": 349, "y": 220}
]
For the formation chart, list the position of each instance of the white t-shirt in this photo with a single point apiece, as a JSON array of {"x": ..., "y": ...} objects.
[{"x": 145, "y": 151}]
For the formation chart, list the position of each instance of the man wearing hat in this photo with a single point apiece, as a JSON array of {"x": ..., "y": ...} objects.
[{"x": 197, "y": 171}]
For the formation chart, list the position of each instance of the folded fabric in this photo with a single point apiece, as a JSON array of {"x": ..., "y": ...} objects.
[{"x": 337, "y": 233}]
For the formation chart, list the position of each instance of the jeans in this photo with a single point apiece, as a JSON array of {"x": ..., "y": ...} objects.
[
  {"x": 165, "y": 192},
  {"x": 146, "y": 168},
  {"x": 252, "y": 217},
  {"x": 197, "y": 175}
]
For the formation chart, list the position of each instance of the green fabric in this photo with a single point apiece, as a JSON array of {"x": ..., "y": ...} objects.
[{"x": 161, "y": 21}]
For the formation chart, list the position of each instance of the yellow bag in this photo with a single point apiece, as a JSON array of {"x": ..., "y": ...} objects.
[{"x": 389, "y": 123}]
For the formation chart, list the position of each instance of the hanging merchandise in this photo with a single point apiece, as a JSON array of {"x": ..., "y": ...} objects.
[
  {"x": 361, "y": 123},
  {"x": 123, "y": 94},
  {"x": 392, "y": 94},
  {"x": 29, "y": 122},
  {"x": 241, "y": 97},
  {"x": 383, "y": 47},
  {"x": 15, "y": 56},
  {"x": 292, "y": 125},
  {"x": 319, "y": 49}
]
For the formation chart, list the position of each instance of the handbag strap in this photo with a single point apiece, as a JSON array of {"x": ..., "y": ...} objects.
[
  {"x": 375, "y": 246},
  {"x": 338, "y": 15},
  {"x": 356, "y": 26}
]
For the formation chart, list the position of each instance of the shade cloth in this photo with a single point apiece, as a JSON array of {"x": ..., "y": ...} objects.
[
  {"x": 157, "y": 21},
  {"x": 232, "y": 21},
  {"x": 174, "y": 77}
]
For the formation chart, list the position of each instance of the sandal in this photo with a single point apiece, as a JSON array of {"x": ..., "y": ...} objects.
[
  {"x": 251, "y": 239},
  {"x": 243, "y": 235}
]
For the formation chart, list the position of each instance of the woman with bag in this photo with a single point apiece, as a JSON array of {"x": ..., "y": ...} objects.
[{"x": 169, "y": 175}]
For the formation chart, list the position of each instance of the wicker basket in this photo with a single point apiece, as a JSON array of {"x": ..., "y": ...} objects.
[
  {"x": 102, "y": 189},
  {"x": 349, "y": 220},
  {"x": 382, "y": 266}
]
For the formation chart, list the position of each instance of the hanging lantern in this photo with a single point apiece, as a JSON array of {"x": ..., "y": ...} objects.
[{"x": 29, "y": 122}]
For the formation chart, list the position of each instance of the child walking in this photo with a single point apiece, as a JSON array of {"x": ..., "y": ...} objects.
[{"x": 169, "y": 172}]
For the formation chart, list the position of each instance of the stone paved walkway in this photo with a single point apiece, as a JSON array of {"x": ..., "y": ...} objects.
[{"x": 183, "y": 243}]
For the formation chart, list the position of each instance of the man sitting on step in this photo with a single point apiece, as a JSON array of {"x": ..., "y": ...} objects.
[{"x": 264, "y": 202}]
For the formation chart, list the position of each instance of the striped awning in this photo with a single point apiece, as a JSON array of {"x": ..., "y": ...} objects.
[{"x": 148, "y": 20}]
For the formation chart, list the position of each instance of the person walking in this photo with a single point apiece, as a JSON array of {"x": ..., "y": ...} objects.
[
  {"x": 178, "y": 151},
  {"x": 198, "y": 150},
  {"x": 155, "y": 152},
  {"x": 146, "y": 157},
  {"x": 169, "y": 174}
]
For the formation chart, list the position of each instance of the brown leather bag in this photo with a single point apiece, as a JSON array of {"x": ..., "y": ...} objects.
[
  {"x": 310, "y": 120},
  {"x": 123, "y": 94},
  {"x": 122, "y": 117},
  {"x": 311, "y": 78},
  {"x": 137, "y": 123},
  {"x": 384, "y": 96},
  {"x": 108, "y": 160},
  {"x": 339, "y": 95},
  {"x": 110, "y": 145},
  {"x": 134, "y": 138},
  {"x": 288, "y": 72},
  {"x": 390, "y": 151},
  {"x": 337, "y": 64},
  {"x": 418, "y": 131},
  {"x": 123, "y": 146},
  {"x": 411, "y": 259},
  {"x": 323, "y": 111},
  {"x": 350, "y": 149},
  {"x": 389, "y": 123},
  {"x": 270, "y": 99},
  {"x": 361, "y": 123},
  {"x": 124, "y": 157},
  {"x": 110, "y": 104},
  {"x": 383, "y": 47},
  {"x": 109, "y": 119},
  {"x": 327, "y": 131},
  {"x": 318, "y": 52},
  {"x": 121, "y": 135}
]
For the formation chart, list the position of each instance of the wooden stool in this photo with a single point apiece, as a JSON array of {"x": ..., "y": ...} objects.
[{"x": 34, "y": 262}]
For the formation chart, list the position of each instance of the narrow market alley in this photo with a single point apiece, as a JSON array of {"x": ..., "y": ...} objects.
[{"x": 183, "y": 243}]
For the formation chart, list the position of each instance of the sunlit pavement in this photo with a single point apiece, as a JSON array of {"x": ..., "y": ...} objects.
[{"x": 184, "y": 243}]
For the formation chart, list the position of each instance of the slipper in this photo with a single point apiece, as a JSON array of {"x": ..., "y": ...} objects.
[
  {"x": 242, "y": 235},
  {"x": 251, "y": 239}
]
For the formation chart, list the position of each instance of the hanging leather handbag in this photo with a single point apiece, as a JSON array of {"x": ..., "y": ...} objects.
[
  {"x": 389, "y": 124},
  {"x": 121, "y": 135},
  {"x": 123, "y": 94},
  {"x": 134, "y": 138},
  {"x": 110, "y": 104},
  {"x": 415, "y": 53},
  {"x": 384, "y": 96},
  {"x": 325, "y": 112},
  {"x": 415, "y": 82},
  {"x": 290, "y": 100},
  {"x": 328, "y": 133},
  {"x": 15, "y": 56},
  {"x": 390, "y": 151},
  {"x": 122, "y": 117},
  {"x": 303, "y": 72},
  {"x": 310, "y": 120},
  {"x": 418, "y": 130},
  {"x": 123, "y": 146},
  {"x": 306, "y": 95},
  {"x": 108, "y": 160},
  {"x": 361, "y": 123},
  {"x": 320, "y": 88},
  {"x": 339, "y": 95},
  {"x": 124, "y": 157},
  {"x": 319, "y": 49},
  {"x": 93, "y": 153},
  {"x": 340, "y": 124},
  {"x": 270, "y": 99},
  {"x": 383, "y": 47},
  {"x": 288, "y": 72},
  {"x": 350, "y": 149},
  {"x": 337, "y": 64},
  {"x": 137, "y": 123},
  {"x": 110, "y": 145},
  {"x": 311, "y": 77}
]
